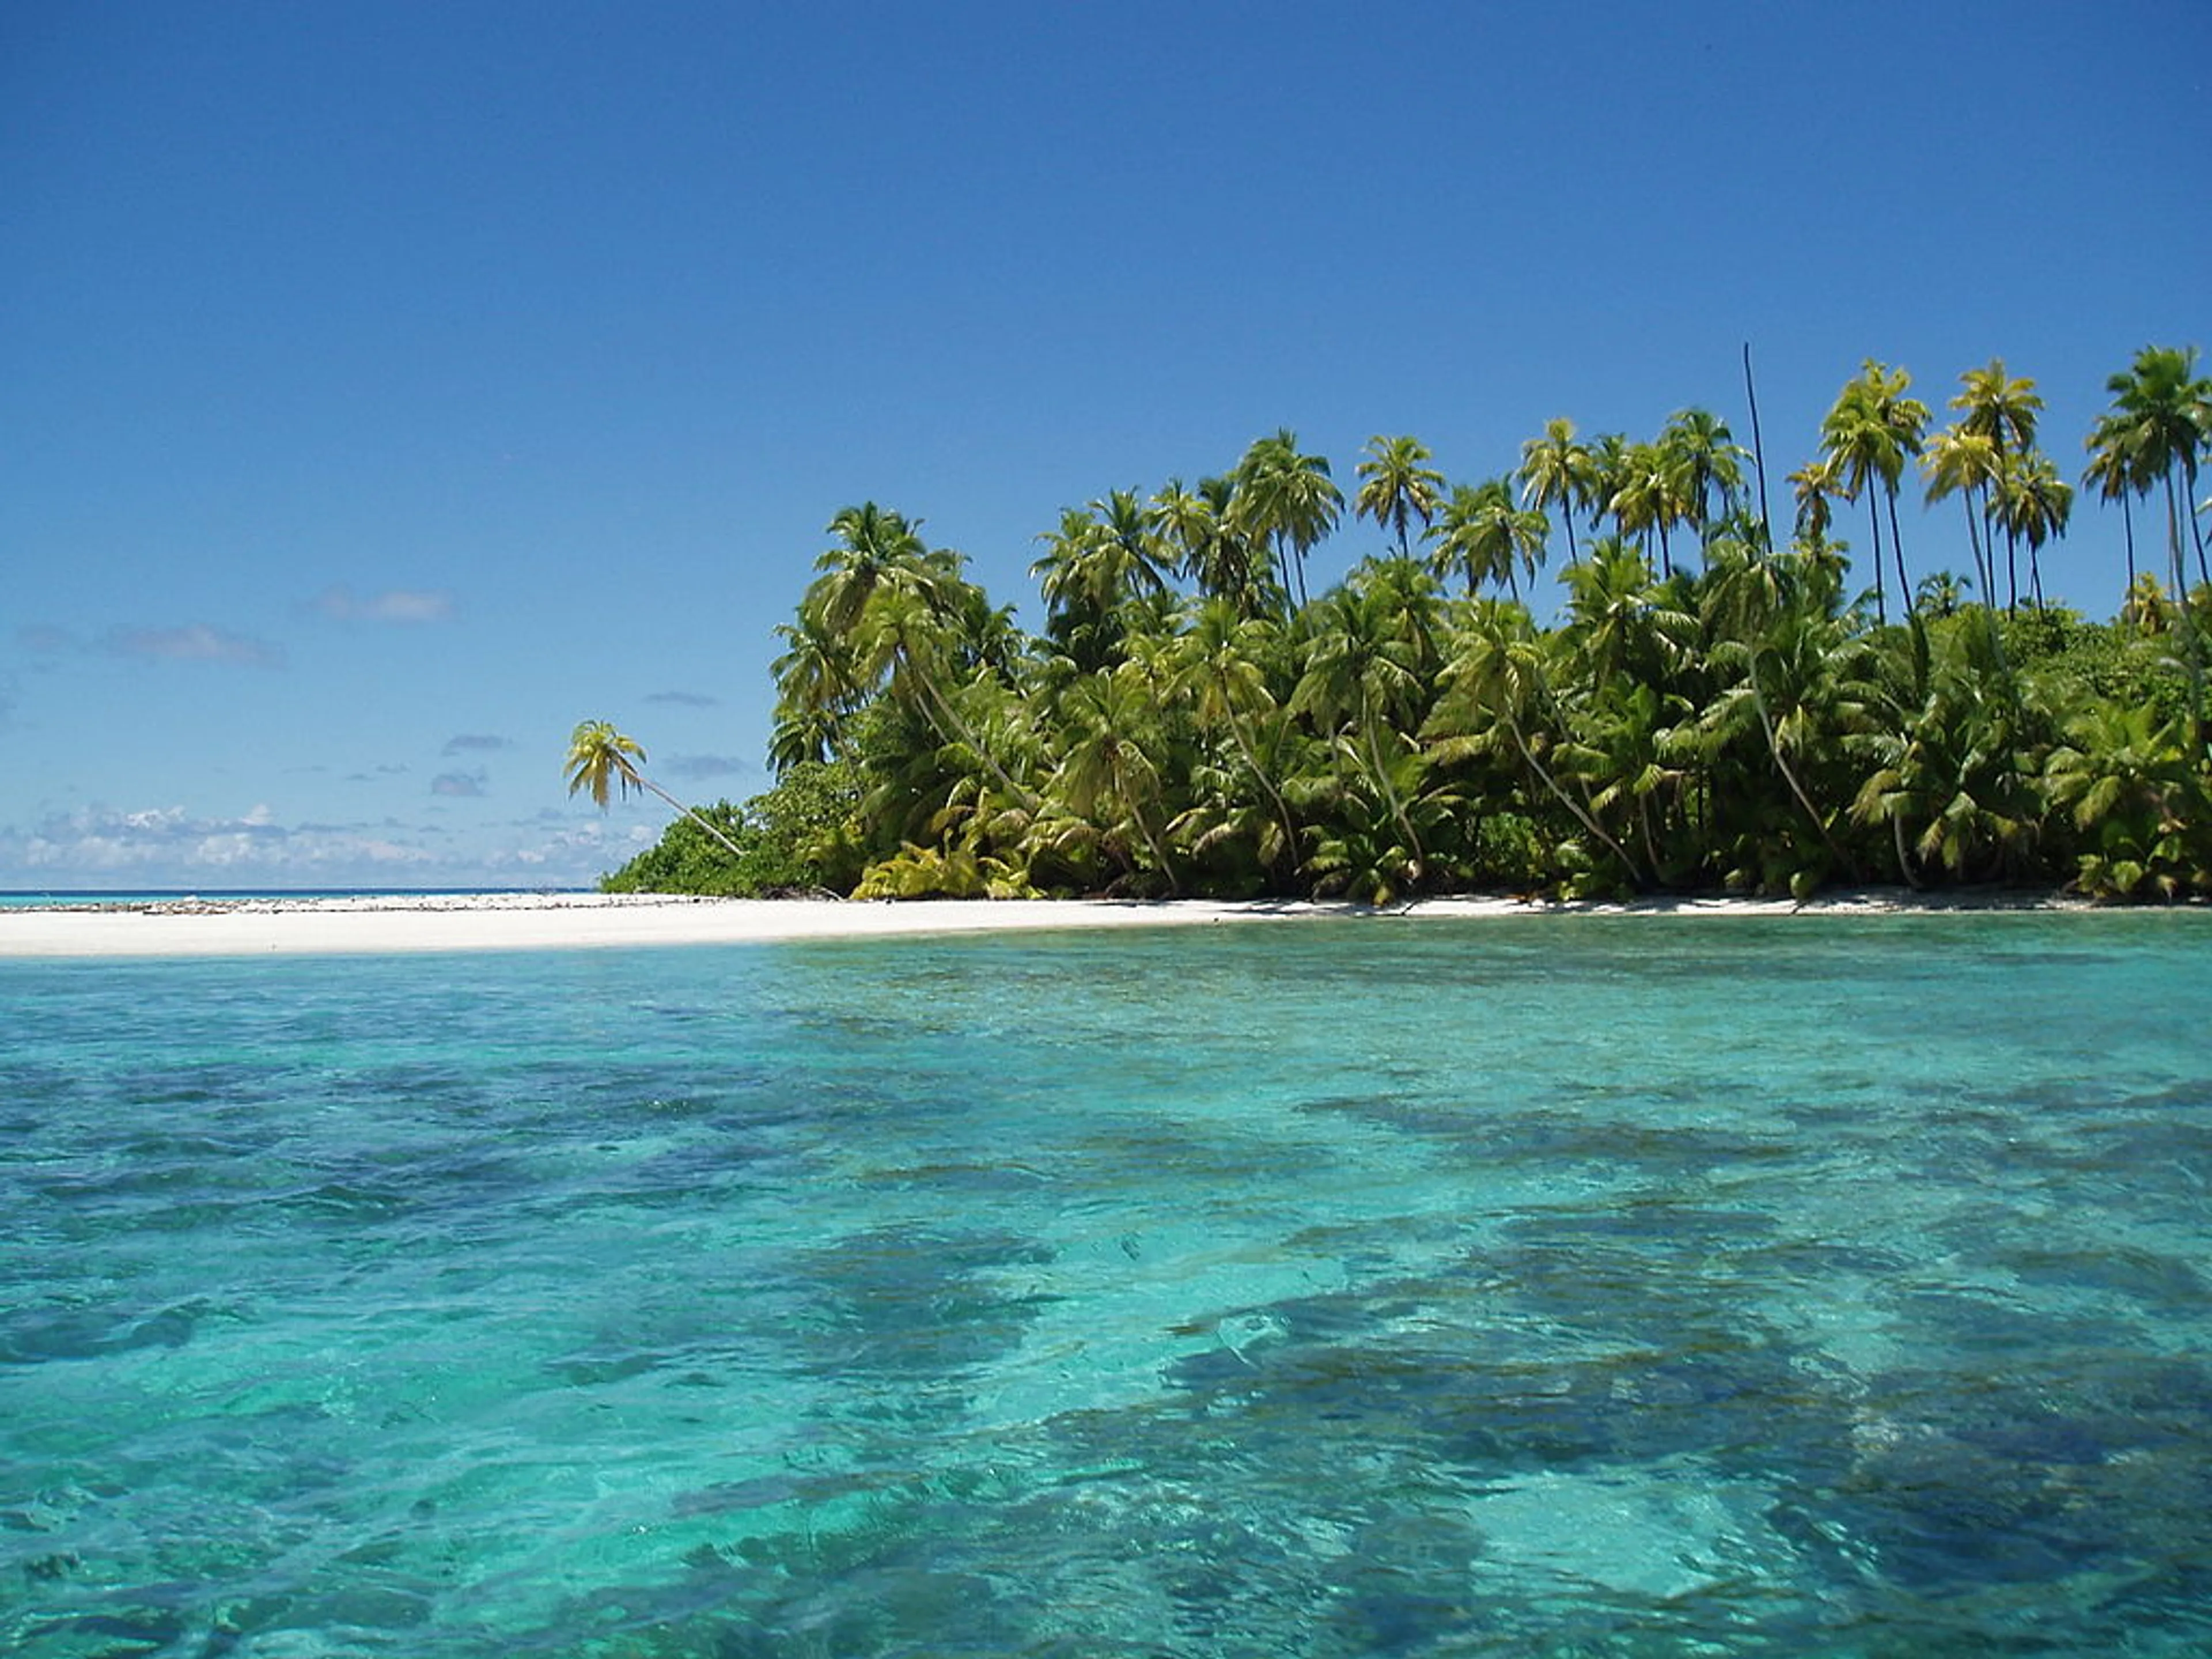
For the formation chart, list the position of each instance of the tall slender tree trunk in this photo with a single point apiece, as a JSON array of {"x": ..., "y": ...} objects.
[
  {"x": 1897, "y": 552},
  {"x": 1974, "y": 541},
  {"x": 1389, "y": 790},
  {"x": 1528, "y": 757},
  {"x": 2128, "y": 528},
  {"x": 1789, "y": 773},
  {"x": 696, "y": 817},
  {"x": 960, "y": 733},
  {"x": 1873, "y": 524},
  {"x": 1758, "y": 449},
  {"x": 1252, "y": 760}
]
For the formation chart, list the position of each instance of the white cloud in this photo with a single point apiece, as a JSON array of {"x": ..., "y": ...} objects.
[
  {"x": 470, "y": 743},
  {"x": 169, "y": 847},
  {"x": 394, "y": 604},
  {"x": 193, "y": 642},
  {"x": 464, "y": 785}
]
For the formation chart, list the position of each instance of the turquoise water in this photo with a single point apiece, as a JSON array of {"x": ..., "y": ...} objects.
[{"x": 1577, "y": 1286}]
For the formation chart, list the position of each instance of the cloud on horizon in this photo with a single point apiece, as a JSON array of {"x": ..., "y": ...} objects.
[
  {"x": 394, "y": 604},
  {"x": 461, "y": 786},
  {"x": 167, "y": 846},
  {"x": 193, "y": 642},
  {"x": 684, "y": 699},
  {"x": 473, "y": 742}
]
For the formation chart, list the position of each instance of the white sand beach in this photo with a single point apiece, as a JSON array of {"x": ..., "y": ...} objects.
[{"x": 560, "y": 921}]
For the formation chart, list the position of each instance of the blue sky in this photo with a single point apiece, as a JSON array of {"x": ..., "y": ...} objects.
[{"x": 384, "y": 389}]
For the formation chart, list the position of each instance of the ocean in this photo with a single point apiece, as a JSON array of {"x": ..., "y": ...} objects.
[{"x": 1566, "y": 1285}]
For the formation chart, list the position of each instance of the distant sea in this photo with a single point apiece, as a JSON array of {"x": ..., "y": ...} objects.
[
  {"x": 27, "y": 899},
  {"x": 1583, "y": 1288}
]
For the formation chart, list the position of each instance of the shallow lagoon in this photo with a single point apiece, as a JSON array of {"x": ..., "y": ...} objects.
[{"x": 1551, "y": 1286}]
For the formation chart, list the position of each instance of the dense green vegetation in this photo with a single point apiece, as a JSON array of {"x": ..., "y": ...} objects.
[{"x": 1711, "y": 706}]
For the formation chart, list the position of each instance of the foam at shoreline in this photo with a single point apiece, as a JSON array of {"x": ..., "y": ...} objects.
[{"x": 518, "y": 921}]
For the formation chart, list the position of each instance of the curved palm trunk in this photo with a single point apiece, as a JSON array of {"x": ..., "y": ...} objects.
[
  {"x": 1389, "y": 790},
  {"x": 736, "y": 851},
  {"x": 1282, "y": 808},
  {"x": 962, "y": 733},
  {"x": 1582, "y": 816},
  {"x": 1790, "y": 773},
  {"x": 1158, "y": 852}
]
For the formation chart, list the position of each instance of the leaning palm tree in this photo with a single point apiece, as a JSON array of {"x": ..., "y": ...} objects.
[{"x": 601, "y": 758}]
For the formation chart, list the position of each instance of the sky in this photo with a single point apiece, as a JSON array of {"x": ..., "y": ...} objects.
[{"x": 385, "y": 389}]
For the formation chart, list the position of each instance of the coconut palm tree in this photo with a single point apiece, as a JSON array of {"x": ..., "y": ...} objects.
[
  {"x": 1705, "y": 457},
  {"x": 2034, "y": 503},
  {"x": 1398, "y": 486},
  {"x": 1285, "y": 497},
  {"x": 1219, "y": 670},
  {"x": 2117, "y": 472},
  {"x": 1484, "y": 535},
  {"x": 2003, "y": 408},
  {"x": 2161, "y": 418},
  {"x": 602, "y": 759},
  {"x": 1201, "y": 528},
  {"x": 1556, "y": 468},
  {"x": 1814, "y": 486},
  {"x": 1966, "y": 464},
  {"x": 1871, "y": 431}
]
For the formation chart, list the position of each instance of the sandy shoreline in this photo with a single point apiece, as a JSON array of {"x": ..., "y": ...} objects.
[{"x": 583, "y": 921}]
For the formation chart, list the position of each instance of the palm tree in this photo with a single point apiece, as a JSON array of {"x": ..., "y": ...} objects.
[
  {"x": 1285, "y": 496},
  {"x": 1202, "y": 528},
  {"x": 1648, "y": 498},
  {"x": 2003, "y": 408},
  {"x": 874, "y": 546},
  {"x": 1965, "y": 463},
  {"x": 1870, "y": 432},
  {"x": 1111, "y": 771},
  {"x": 601, "y": 758},
  {"x": 1815, "y": 485},
  {"x": 2034, "y": 503},
  {"x": 1398, "y": 487},
  {"x": 1556, "y": 468},
  {"x": 2117, "y": 472},
  {"x": 1219, "y": 670},
  {"x": 1704, "y": 456},
  {"x": 1101, "y": 559},
  {"x": 2161, "y": 418},
  {"x": 1484, "y": 537},
  {"x": 1365, "y": 666}
]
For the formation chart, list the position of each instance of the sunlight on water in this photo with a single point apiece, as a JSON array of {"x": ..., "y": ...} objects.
[{"x": 1571, "y": 1286}]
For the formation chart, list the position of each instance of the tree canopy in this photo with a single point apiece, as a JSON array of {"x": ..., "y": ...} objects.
[{"x": 1706, "y": 708}]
